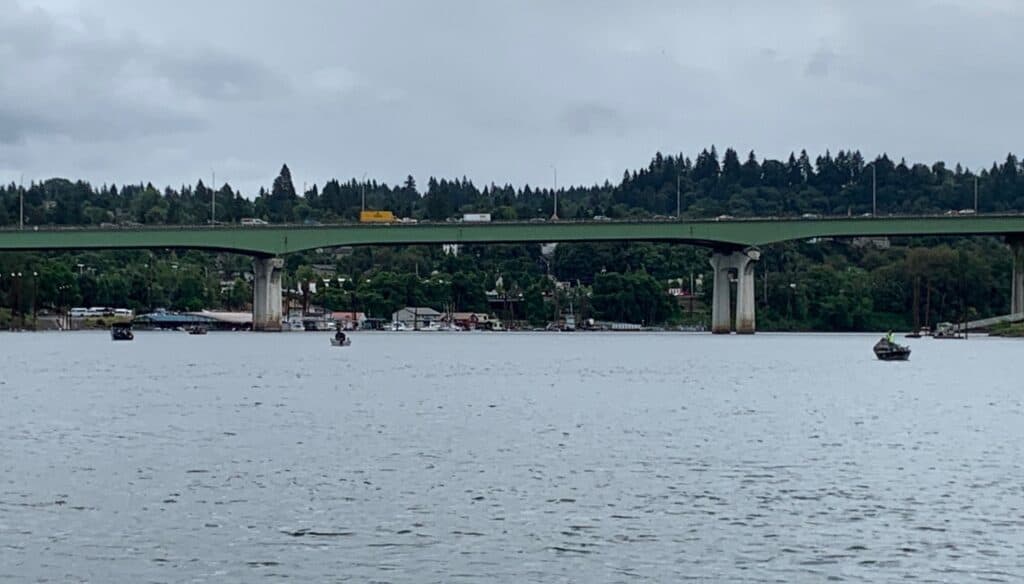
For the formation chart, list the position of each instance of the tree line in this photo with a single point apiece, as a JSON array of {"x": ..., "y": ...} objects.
[{"x": 703, "y": 187}]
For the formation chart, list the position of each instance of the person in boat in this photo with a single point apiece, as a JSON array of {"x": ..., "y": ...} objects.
[
  {"x": 339, "y": 336},
  {"x": 890, "y": 338}
]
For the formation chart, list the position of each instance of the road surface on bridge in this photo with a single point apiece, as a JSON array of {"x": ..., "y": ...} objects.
[{"x": 274, "y": 240}]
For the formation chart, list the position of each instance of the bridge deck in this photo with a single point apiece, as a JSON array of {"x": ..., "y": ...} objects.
[
  {"x": 282, "y": 239},
  {"x": 986, "y": 323}
]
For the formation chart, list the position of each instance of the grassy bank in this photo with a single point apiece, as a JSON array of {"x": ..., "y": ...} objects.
[{"x": 1008, "y": 330}]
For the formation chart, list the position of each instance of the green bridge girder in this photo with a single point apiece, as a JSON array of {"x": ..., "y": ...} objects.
[{"x": 275, "y": 240}]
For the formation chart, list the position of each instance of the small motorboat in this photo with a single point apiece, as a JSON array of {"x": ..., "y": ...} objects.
[
  {"x": 913, "y": 335},
  {"x": 886, "y": 350},
  {"x": 340, "y": 339},
  {"x": 197, "y": 330},
  {"x": 122, "y": 332},
  {"x": 946, "y": 330}
]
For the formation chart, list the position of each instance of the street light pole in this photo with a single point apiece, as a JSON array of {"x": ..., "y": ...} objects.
[
  {"x": 679, "y": 178},
  {"x": 874, "y": 191},
  {"x": 363, "y": 182},
  {"x": 35, "y": 289},
  {"x": 21, "y": 203},
  {"x": 554, "y": 215},
  {"x": 16, "y": 305},
  {"x": 975, "y": 194},
  {"x": 213, "y": 198}
]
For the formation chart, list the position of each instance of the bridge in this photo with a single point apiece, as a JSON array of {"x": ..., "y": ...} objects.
[
  {"x": 987, "y": 323},
  {"x": 734, "y": 242}
]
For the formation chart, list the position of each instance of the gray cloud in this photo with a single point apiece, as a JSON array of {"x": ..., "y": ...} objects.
[
  {"x": 588, "y": 118},
  {"x": 820, "y": 62},
  {"x": 16, "y": 125},
  {"x": 494, "y": 91},
  {"x": 216, "y": 76},
  {"x": 88, "y": 85}
]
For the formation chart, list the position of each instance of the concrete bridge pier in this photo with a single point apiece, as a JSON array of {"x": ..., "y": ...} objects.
[
  {"x": 1017, "y": 288},
  {"x": 266, "y": 292},
  {"x": 742, "y": 264}
]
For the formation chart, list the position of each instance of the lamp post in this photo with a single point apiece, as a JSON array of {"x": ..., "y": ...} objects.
[
  {"x": 35, "y": 288},
  {"x": 874, "y": 191},
  {"x": 792, "y": 292},
  {"x": 975, "y": 194},
  {"x": 554, "y": 214},
  {"x": 62, "y": 312},
  {"x": 363, "y": 183},
  {"x": 679, "y": 206},
  {"x": 16, "y": 304}
]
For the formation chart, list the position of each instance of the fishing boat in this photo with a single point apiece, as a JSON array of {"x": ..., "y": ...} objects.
[
  {"x": 197, "y": 330},
  {"x": 889, "y": 351},
  {"x": 945, "y": 330},
  {"x": 340, "y": 339},
  {"x": 122, "y": 331}
]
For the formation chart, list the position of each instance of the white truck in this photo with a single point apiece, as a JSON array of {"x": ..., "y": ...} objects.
[{"x": 476, "y": 218}]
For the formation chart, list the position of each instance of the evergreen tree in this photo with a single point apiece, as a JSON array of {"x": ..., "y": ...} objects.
[{"x": 730, "y": 166}]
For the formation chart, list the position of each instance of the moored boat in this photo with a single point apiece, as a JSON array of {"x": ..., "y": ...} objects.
[
  {"x": 122, "y": 332},
  {"x": 946, "y": 330}
]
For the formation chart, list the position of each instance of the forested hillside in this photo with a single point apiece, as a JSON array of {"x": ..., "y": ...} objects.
[{"x": 707, "y": 186}]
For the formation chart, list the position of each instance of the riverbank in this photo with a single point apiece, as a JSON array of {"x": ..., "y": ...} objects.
[{"x": 1008, "y": 330}]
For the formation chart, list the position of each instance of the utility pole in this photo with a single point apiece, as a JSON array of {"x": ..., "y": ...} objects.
[
  {"x": 679, "y": 178},
  {"x": 21, "y": 202},
  {"x": 213, "y": 198},
  {"x": 874, "y": 191},
  {"x": 363, "y": 182},
  {"x": 554, "y": 214},
  {"x": 692, "y": 292},
  {"x": 975, "y": 194}
]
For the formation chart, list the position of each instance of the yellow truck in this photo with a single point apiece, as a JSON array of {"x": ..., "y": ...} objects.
[{"x": 376, "y": 217}]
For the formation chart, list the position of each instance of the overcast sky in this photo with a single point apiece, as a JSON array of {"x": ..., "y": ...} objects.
[{"x": 128, "y": 90}]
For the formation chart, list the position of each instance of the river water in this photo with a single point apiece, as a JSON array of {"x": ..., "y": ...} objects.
[{"x": 508, "y": 457}]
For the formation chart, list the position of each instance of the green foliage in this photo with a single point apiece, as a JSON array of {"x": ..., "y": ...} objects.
[{"x": 632, "y": 297}]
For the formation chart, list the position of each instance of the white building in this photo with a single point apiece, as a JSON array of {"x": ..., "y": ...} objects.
[{"x": 416, "y": 317}]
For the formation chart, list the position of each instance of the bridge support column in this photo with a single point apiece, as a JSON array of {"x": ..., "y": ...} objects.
[
  {"x": 266, "y": 292},
  {"x": 1017, "y": 288},
  {"x": 742, "y": 263},
  {"x": 745, "y": 301},
  {"x": 721, "y": 317}
]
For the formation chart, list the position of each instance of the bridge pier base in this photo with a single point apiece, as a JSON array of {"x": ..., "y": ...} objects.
[
  {"x": 721, "y": 318},
  {"x": 1017, "y": 288},
  {"x": 266, "y": 292},
  {"x": 742, "y": 263}
]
